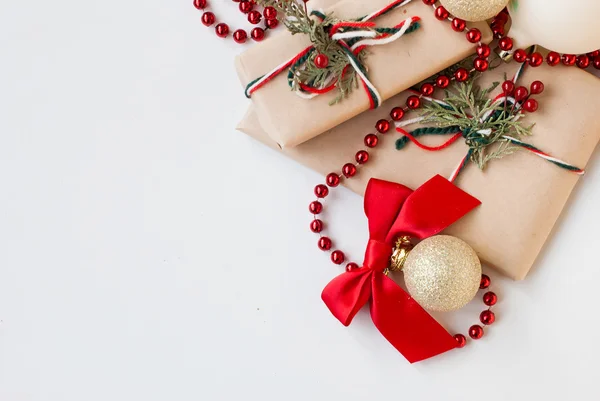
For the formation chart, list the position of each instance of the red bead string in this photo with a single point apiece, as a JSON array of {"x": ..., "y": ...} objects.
[
  {"x": 254, "y": 17},
  {"x": 536, "y": 59}
]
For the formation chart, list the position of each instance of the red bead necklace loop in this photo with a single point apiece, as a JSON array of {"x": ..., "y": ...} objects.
[{"x": 254, "y": 17}]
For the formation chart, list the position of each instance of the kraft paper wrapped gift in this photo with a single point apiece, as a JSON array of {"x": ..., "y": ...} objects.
[
  {"x": 290, "y": 120},
  {"x": 522, "y": 195}
]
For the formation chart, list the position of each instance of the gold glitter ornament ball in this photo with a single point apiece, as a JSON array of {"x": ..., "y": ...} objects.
[
  {"x": 442, "y": 273},
  {"x": 474, "y": 10}
]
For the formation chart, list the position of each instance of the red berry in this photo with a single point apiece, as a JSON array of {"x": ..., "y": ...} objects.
[
  {"x": 332, "y": 179},
  {"x": 530, "y": 105},
  {"x": 321, "y": 61},
  {"x": 371, "y": 140},
  {"x": 458, "y": 24},
  {"x": 349, "y": 170},
  {"x": 271, "y": 23},
  {"x": 316, "y": 226},
  {"x": 521, "y": 93},
  {"x": 537, "y": 87},
  {"x": 270, "y": 13},
  {"x": 508, "y": 87},
  {"x": 321, "y": 191},
  {"x": 442, "y": 81}
]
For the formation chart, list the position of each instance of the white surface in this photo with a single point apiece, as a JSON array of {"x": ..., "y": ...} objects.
[{"x": 150, "y": 252}]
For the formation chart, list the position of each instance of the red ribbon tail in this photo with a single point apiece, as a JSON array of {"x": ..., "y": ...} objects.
[
  {"x": 405, "y": 324},
  {"x": 346, "y": 294}
]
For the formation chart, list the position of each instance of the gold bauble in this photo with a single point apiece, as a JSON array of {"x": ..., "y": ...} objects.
[
  {"x": 474, "y": 10},
  {"x": 442, "y": 273}
]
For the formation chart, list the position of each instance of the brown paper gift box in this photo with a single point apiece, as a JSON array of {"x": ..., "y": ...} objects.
[
  {"x": 290, "y": 120},
  {"x": 522, "y": 195}
]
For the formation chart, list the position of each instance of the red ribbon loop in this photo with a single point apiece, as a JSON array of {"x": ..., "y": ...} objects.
[{"x": 394, "y": 210}]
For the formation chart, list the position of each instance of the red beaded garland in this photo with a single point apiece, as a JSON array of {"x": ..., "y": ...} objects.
[
  {"x": 583, "y": 61},
  {"x": 474, "y": 35},
  {"x": 270, "y": 12},
  {"x": 257, "y": 34},
  {"x": 483, "y": 50},
  {"x": 321, "y": 191},
  {"x": 520, "y": 55},
  {"x": 429, "y": 2},
  {"x": 536, "y": 87},
  {"x": 382, "y": 126},
  {"x": 337, "y": 257},
  {"x": 569, "y": 59},
  {"x": 271, "y": 23},
  {"x": 461, "y": 75},
  {"x": 597, "y": 63},
  {"x": 485, "y": 281},
  {"x": 413, "y": 102},
  {"x": 476, "y": 332},
  {"x": 371, "y": 140},
  {"x": 351, "y": 267},
  {"x": 536, "y": 59},
  {"x": 487, "y": 317},
  {"x": 481, "y": 64},
  {"x": 315, "y": 207},
  {"x": 240, "y": 36},
  {"x": 246, "y": 6},
  {"x": 553, "y": 58},
  {"x": 505, "y": 43},
  {"x": 200, "y": 4},
  {"x": 442, "y": 81},
  {"x": 441, "y": 13},
  {"x": 324, "y": 243},
  {"x": 397, "y": 113},
  {"x": 458, "y": 24},
  {"x": 349, "y": 170},
  {"x": 208, "y": 18},
  {"x": 427, "y": 89},
  {"x": 332, "y": 179},
  {"x": 222, "y": 30},
  {"x": 490, "y": 298},
  {"x": 362, "y": 156},
  {"x": 316, "y": 226},
  {"x": 461, "y": 340}
]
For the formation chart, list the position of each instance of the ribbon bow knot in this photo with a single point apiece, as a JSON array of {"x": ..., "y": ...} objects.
[
  {"x": 394, "y": 210},
  {"x": 343, "y": 42}
]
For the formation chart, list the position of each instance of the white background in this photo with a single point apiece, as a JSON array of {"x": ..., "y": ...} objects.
[{"x": 148, "y": 251}]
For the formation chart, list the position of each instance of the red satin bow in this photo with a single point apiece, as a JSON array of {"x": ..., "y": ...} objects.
[{"x": 394, "y": 210}]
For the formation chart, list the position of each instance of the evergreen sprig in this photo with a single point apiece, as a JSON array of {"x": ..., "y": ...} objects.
[
  {"x": 297, "y": 20},
  {"x": 466, "y": 106}
]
